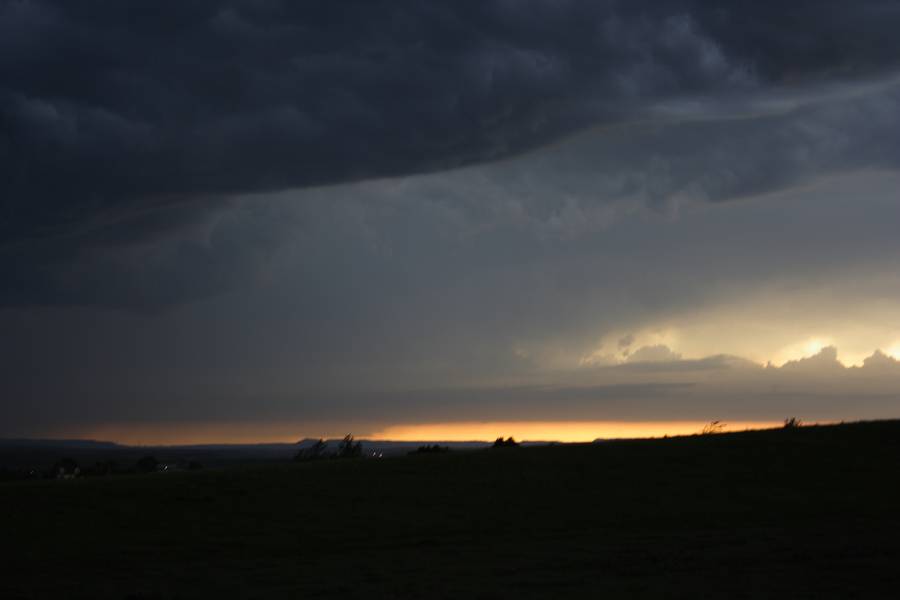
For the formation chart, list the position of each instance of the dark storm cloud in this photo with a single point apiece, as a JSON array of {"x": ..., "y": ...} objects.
[
  {"x": 411, "y": 234},
  {"x": 129, "y": 105}
]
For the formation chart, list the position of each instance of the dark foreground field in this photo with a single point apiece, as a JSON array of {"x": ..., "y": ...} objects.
[{"x": 807, "y": 513}]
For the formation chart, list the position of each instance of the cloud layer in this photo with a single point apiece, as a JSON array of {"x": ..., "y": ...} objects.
[
  {"x": 110, "y": 108},
  {"x": 404, "y": 210}
]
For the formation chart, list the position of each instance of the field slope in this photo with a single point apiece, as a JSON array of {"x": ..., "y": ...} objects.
[{"x": 805, "y": 513}]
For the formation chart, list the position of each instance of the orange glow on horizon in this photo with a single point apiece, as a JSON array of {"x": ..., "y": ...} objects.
[
  {"x": 552, "y": 431},
  {"x": 145, "y": 434}
]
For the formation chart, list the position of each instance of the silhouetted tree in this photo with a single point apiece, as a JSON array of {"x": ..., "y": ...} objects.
[
  {"x": 315, "y": 452},
  {"x": 147, "y": 464},
  {"x": 792, "y": 423},
  {"x": 507, "y": 443},
  {"x": 713, "y": 427},
  {"x": 348, "y": 448},
  {"x": 432, "y": 449}
]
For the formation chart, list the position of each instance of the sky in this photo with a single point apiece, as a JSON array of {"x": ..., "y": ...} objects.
[{"x": 262, "y": 220}]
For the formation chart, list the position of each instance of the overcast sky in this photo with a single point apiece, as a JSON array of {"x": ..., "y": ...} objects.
[{"x": 262, "y": 219}]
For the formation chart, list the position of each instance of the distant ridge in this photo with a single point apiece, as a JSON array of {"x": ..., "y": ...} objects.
[
  {"x": 388, "y": 442},
  {"x": 262, "y": 446}
]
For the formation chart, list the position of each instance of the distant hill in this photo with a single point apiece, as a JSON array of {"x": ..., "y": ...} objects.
[
  {"x": 42, "y": 453},
  {"x": 52, "y": 443},
  {"x": 391, "y": 448}
]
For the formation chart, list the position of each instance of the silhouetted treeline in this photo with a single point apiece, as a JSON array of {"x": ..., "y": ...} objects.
[
  {"x": 716, "y": 427},
  {"x": 347, "y": 448},
  {"x": 68, "y": 468},
  {"x": 147, "y": 464},
  {"x": 430, "y": 449},
  {"x": 507, "y": 443}
]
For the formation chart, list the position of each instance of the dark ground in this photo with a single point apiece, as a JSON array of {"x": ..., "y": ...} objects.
[{"x": 806, "y": 513}]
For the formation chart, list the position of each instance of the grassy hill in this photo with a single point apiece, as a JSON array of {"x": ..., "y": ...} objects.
[{"x": 803, "y": 513}]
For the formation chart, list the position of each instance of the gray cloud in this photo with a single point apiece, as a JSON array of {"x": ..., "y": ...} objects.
[
  {"x": 264, "y": 208},
  {"x": 109, "y": 108},
  {"x": 653, "y": 354},
  {"x": 551, "y": 200},
  {"x": 825, "y": 359},
  {"x": 879, "y": 361},
  {"x": 716, "y": 387},
  {"x": 351, "y": 310}
]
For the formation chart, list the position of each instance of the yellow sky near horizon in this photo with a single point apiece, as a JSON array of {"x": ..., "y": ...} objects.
[
  {"x": 487, "y": 431},
  {"x": 558, "y": 431},
  {"x": 758, "y": 335}
]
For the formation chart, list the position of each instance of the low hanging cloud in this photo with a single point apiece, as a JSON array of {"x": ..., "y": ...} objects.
[
  {"x": 879, "y": 361},
  {"x": 824, "y": 360},
  {"x": 703, "y": 389},
  {"x": 661, "y": 358}
]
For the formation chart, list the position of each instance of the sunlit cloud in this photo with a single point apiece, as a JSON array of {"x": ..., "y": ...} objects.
[
  {"x": 893, "y": 350},
  {"x": 801, "y": 350},
  {"x": 619, "y": 347}
]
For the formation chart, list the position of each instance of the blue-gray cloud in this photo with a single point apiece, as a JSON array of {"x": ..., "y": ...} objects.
[
  {"x": 114, "y": 107},
  {"x": 158, "y": 257}
]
